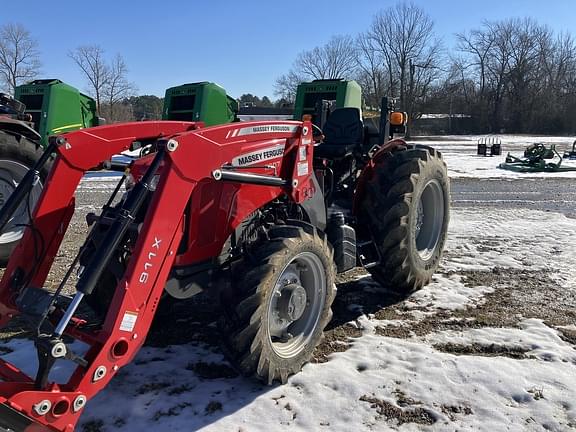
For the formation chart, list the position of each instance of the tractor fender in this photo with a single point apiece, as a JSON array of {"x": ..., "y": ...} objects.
[
  {"x": 20, "y": 128},
  {"x": 315, "y": 206},
  {"x": 368, "y": 171}
]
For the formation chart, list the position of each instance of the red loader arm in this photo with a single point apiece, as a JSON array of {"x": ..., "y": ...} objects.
[{"x": 186, "y": 156}]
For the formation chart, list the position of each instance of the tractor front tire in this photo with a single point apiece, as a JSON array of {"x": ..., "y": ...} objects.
[
  {"x": 406, "y": 209},
  {"x": 17, "y": 156},
  {"x": 280, "y": 303}
]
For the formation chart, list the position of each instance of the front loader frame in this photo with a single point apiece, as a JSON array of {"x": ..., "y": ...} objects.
[{"x": 186, "y": 155}]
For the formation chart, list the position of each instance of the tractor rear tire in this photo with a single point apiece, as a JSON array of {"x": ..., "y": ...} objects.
[
  {"x": 17, "y": 155},
  {"x": 406, "y": 209},
  {"x": 280, "y": 303}
]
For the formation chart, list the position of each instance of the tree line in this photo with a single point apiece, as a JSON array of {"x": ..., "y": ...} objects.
[{"x": 514, "y": 75}]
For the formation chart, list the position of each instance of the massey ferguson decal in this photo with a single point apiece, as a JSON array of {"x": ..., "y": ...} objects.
[
  {"x": 282, "y": 128},
  {"x": 259, "y": 155}
]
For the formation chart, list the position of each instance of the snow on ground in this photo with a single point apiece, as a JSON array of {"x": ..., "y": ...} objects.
[
  {"x": 460, "y": 154},
  {"x": 163, "y": 388},
  {"x": 500, "y": 393},
  {"x": 380, "y": 382}
]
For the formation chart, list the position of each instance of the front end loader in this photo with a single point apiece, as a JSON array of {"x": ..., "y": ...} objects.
[{"x": 261, "y": 215}]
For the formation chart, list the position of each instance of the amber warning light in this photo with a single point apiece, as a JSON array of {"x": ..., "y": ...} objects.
[{"x": 398, "y": 118}]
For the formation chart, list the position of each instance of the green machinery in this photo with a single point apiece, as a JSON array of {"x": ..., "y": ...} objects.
[
  {"x": 535, "y": 160},
  {"x": 201, "y": 101},
  {"x": 56, "y": 107},
  {"x": 40, "y": 108},
  {"x": 208, "y": 102},
  {"x": 340, "y": 92}
]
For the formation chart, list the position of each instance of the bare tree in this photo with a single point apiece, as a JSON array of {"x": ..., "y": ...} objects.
[
  {"x": 19, "y": 56},
  {"x": 116, "y": 88},
  {"x": 477, "y": 45},
  {"x": 371, "y": 74},
  {"x": 90, "y": 59},
  {"x": 286, "y": 85},
  {"x": 335, "y": 59},
  {"x": 404, "y": 36}
]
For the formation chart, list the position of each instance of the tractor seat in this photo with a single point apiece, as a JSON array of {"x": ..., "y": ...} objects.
[{"x": 343, "y": 132}]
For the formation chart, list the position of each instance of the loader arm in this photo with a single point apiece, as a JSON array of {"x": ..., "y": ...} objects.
[{"x": 187, "y": 154}]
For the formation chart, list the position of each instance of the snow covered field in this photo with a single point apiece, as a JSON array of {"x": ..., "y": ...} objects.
[
  {"x": 460, "y": 155},
  {"x": 489, "y": 345},
  {"x": 382, "y": 382}
]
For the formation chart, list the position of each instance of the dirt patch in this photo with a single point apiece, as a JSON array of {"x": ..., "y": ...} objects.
[
  {"x": 390, "y": 411},
  {"x": 517, "y": 295},
  {"x": 355, "y": 298},
  {"x": 453, "y": 411},
  {"x": 93, "y": 426},
  {"x": 16, "y": 327},
  {"x": 477, "y": 349},
  {"x": 212, "y": 407},
  {"x": 172, "y": 412},
  {"x": 337, "y": 339},
  {"x": 403, "y": 400},
  {"x": 174, "y": 391},
  {"x": 395, "y": 331},
  {"x": 567, "y": 335}
]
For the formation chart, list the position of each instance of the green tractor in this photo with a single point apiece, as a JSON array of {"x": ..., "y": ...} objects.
[{"x": 39, "y": 109}]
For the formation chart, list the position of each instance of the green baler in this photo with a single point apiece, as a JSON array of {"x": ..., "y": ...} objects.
[
  {"x": 201, "y": 101},
  {"x": 344, "y": 93},
  {"x": 48, "y": 107},
  {"x": 56, "y": 107}
]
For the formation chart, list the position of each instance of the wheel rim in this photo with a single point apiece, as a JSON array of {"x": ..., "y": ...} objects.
[
  {"x": 11, "y": 174},
  {"x": 303, "y": 280},
  {"x": 429, "y": 219}
]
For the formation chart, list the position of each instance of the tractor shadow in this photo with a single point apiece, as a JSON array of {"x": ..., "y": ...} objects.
[{"x": 358, "y": 294}]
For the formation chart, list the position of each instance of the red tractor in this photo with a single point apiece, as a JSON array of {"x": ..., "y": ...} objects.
[{"x": 261, "y": 215}]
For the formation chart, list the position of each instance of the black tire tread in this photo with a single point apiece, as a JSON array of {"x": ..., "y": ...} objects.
[
  {"x": 242, "y": 324},
  {"x": 21, "y": 149},
  {"x": 386, "y": 209}
]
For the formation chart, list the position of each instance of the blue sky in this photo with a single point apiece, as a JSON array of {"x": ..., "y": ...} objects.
[{"x": 243, "y": 46}]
